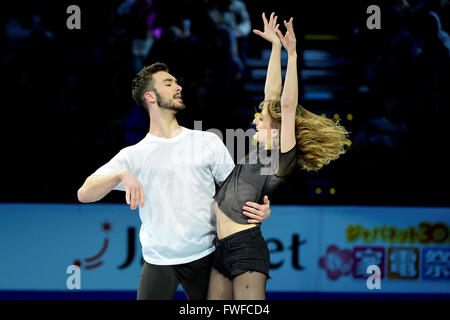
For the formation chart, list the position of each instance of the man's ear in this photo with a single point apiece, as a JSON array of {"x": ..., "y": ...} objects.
[{"x": 150, "y": 97}]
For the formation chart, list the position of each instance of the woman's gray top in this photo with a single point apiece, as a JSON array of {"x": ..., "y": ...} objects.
[{"x": 258, "y": 174}]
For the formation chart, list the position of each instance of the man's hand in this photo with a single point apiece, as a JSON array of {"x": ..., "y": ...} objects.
[
  {"x": 270, "y": 29},
  {"x": 134, "y": 193},
  {"x": 257, "y": 212}
]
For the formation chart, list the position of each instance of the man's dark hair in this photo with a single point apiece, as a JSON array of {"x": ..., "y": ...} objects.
[{"x": 143, "y": 82}]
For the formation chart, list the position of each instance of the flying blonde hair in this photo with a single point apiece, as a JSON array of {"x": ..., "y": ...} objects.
[{"x": 319, "y": 139}]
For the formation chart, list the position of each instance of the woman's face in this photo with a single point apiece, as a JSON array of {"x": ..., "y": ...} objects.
[{"x": 263, "y": 128}]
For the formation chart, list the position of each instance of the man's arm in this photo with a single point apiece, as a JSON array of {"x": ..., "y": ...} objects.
[{"x": 97, "y": 187}]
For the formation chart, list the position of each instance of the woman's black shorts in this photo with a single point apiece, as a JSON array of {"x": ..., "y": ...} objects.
[{"x": 241, "y": 252}]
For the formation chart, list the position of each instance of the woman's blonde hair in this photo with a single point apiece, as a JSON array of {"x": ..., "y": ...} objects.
[{"x": 319, "y": 139}]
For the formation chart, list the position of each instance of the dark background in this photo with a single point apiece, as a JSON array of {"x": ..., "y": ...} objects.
[{"x": 67, "y": 106}]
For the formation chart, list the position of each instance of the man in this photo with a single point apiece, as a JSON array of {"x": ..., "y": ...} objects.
[{"x": 175, "y": 168}]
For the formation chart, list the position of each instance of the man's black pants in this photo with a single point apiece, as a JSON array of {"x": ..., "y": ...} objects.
[{"x": 160, "y": 282}]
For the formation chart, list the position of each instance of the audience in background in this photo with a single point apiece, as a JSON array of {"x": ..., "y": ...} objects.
[{"x": 72, "y": 89}]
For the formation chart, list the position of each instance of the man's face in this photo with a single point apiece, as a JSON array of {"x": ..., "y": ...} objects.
[{"x": 167, "y": 91}]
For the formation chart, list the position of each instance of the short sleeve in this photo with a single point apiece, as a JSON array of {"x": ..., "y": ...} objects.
[
  {"x": 288, "y": 162},
  {"x": 117, "y": 163},
  {"x": 221, "y": 163}
]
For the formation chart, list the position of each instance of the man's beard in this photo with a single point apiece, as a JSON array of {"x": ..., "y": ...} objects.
[{"x": 164, "y": 104}]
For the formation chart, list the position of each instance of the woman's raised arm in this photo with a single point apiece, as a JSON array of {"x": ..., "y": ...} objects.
[
  {"x": 289, "y": 97},
  {"x": 272, "y": 87}
]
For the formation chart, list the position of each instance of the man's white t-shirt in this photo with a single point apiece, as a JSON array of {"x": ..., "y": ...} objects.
[{"x": 177, "y": 175}]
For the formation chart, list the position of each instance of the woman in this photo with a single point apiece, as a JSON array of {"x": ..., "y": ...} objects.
[{"x": 241, "y": 260}]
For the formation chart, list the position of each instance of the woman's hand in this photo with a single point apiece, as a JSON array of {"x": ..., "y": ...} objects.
[
  {"x": 270, "y": 29},
  {"x": 288, "y": 40}
]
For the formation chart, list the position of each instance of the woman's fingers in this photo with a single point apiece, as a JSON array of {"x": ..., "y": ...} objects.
[
  {"x": 257, "y": 32},
  {"x": 280, "y": 35},
  {"x": 271, "y": 18},
  {"x": 270, "y": 27},
  {"x": 291, "y": 25},
  {"x": 264, "y": 18}
]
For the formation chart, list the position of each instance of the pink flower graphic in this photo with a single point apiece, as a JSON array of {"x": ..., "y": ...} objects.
[{"x": 336, "y": 262}]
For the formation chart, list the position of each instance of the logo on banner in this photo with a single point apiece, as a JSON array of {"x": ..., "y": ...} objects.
[
  {"x": 96, "y": 261},
  {"x": 336, "y": 262}
]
